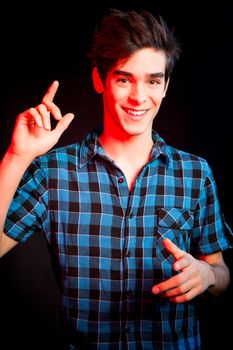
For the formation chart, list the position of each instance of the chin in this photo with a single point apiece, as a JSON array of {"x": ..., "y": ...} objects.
[{"x": 135, "y": 131}]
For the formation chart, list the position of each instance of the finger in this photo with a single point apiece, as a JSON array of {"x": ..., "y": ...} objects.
[
  {"x": 185, "y": 297},
  {"x": 51, "y": 92},
  {"x": 48, "y": 100},
  {"x": 53, "y": 109},
  {"x": 165, "y": 286},
  {"x": 173, "y": 249},
  {"x": 173, "y": 282},
  {"x": 181, "y": 263},
  {"x": 182, "y": 289},
  {"x": 63, "y": 124},
  {"x": 45, "y": 116},
  {"x": 32, "y": 115}
]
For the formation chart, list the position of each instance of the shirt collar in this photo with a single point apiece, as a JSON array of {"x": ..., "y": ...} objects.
[
  {"x": 91, "y": 146},
  {"x": 160, "y": 149}
]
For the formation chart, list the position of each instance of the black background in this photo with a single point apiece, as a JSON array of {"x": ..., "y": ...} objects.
[{"x": 42, "y": 42}]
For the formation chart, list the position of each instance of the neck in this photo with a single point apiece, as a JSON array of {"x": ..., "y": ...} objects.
[{"x": 136, "y": 148}]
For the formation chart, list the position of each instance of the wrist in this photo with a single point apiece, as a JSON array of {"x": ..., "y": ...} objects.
[
  {"x": 212, "y": 277},
  {"x": 13, "y": 165},
  {"x": 12, "y": 157}
]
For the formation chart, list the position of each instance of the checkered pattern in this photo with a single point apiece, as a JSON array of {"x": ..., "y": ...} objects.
[{"x": 109, "y": 240}]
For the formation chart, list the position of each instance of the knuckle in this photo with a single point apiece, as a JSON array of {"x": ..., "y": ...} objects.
[
  {"x": 31, "y": 112},
  {"x": 179, "y": 290}
]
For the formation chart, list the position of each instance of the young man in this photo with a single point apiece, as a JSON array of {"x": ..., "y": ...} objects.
[{"x": 135, "y": 223}]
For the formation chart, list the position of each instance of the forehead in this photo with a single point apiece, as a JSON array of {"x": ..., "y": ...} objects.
[{"x": 147, "y": 61}]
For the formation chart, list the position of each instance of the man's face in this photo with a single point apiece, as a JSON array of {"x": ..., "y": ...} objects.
[{"x": 133, "y": 93}]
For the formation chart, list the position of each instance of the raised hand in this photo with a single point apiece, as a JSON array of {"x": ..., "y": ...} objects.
[
  {"x": 194, "y": 276},
  {"x": 32, "y": 134}
]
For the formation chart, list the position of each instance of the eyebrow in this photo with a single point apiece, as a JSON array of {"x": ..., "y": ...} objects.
[{"x": 128, "y": 74}]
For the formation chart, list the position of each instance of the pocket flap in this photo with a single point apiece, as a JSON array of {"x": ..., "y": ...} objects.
[{"x": 180, "y": 219}]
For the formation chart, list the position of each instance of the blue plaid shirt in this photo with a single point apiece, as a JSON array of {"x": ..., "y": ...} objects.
[{"x": 109, "y": 239}]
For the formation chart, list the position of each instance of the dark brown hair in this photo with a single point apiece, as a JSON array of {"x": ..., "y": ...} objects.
[{"x": 122, "y": 33}]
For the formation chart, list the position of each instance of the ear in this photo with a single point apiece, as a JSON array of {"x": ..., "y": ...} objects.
[
  {"x": 166, "y": 86},
  {"x": 97, "y": 81}
]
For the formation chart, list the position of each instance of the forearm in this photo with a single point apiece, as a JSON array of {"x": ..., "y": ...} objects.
[
  {"x": 217, "y": 274},
  {"x": 12, "y": 168}
]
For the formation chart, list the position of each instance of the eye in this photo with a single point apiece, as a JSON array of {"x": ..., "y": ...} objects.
[
  {"x": 154, "y": 82},
  {"x": 122, "y": 80}
]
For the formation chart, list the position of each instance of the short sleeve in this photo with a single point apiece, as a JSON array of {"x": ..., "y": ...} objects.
[
  {"x": 28, "y": 209},
  {"x": 210, "y": 233}
]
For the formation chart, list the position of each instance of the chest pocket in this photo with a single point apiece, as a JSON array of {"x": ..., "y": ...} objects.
[
  {"x": 175, "y": 224},
  {"x": 179, "y": 219}
]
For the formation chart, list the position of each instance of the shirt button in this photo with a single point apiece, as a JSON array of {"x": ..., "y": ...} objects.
[
  {"x": 121, "y": 180},
  {"x": 131, "y": 216},
  {"x": 128, "y": 254}
]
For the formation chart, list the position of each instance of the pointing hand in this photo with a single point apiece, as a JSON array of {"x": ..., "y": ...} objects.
[
  {"x": 32, "y": 134},
  {"x": 194, "y": 276}
]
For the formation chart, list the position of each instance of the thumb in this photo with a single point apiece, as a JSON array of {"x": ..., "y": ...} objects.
[
  {"x": 63, "y": 124},
  {"x": 173, "y": 249}
]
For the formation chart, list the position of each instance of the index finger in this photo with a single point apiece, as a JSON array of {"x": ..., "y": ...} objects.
[
  {"x": 48, "y": 100},
  {"x": 51, "y": 92},
  {"x": 173, "y": 249},
  {"x": 172, "y": 282}
]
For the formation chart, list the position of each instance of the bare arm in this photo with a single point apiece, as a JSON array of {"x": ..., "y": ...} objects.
[
  {"x": 220, "y": 270},
  {"x": 31, "y": 138},
  {"x": 195, "y": 276},
  {"x": 12, "y": 169}
]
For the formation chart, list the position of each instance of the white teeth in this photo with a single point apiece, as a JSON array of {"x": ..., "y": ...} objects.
[{"x": 135, "y": 113}]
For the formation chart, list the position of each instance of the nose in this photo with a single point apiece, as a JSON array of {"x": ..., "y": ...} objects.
[{"x": 138, "y": 94}]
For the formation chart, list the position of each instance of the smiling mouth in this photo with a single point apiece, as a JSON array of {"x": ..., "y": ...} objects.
[{"x": 135, "y": 113}]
